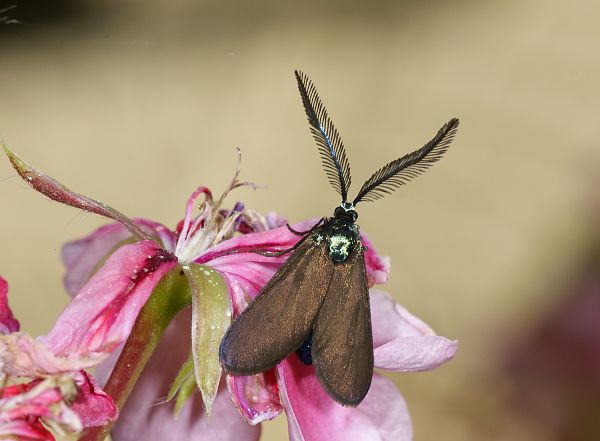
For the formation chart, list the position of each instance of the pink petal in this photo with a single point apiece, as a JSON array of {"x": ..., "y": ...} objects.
[
  {"x": 245, "y": 281},
  {"x": 105, "y": 367},
  {"x": 407, "y": 354},
  {"x": 25, "y": 430},
  {"x": 82, "y": 257},
  {"x": 272, "y": 240},
  {"x": 390, "y": 320},
  {"x": 8, "y": 323},
  {"x": 274, "y": 220},
  {"x": 387, "y": 410},
  {"x": 41, "y": 399},
  {"x": 256, "y": 397},
  {"x": 146, "y": 417},
  {"x": 102, "y": 314},
  {"x": 187, "y": 228},
  {"x": 403, "y": 342},
  {"x": 378, "y": 267},
  {"x": 92, "y": 404},
  {"x": 314, "y": 416},
  {"x": 13, "y": 390},
  {"x": 22, "y": 356},
  {"x": 30, "y": 402}
]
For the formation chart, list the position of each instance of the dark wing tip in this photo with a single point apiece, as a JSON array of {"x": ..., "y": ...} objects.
[
  {"x": 352, "y": 399},
  {"x": 228, "y": 349},
  {"x": 236, "y": 365}
]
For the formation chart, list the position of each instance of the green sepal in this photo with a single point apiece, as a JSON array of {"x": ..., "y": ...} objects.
[
  {"x": 184, "y": 385},
  {"x": 186, "y": 371},
  {"x": 188, "y": 388},
  {"x": 211, "y": 316},
  {"x": 169, "y": 296}
]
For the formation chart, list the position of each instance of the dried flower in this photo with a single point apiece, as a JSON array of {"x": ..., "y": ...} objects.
[{"x": 58, "y": 399}]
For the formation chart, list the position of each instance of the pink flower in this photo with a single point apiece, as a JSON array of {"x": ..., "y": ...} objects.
[
  {"x": 401, "y": 341},
  {"x": 52, "y": 402},
  {"x": 8, "y": 323},
  {"x": 26, "y": 410},
  {"x": 110, "y": 288}
]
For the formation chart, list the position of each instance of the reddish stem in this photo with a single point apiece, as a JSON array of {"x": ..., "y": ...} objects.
[{"x": 168, "y": 298}]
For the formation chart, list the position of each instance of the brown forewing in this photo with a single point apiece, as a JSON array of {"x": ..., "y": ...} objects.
[
  {"x": 342, "y": 349},
  {"x": 279, "y": 319}
]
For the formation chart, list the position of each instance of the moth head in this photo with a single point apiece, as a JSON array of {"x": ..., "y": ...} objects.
[{"x": 346, "y": 211}]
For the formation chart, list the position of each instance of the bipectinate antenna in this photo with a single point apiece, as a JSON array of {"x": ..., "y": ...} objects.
[
  {"x": 331, "y": 147},
  {"x": 391, "y": 176}
]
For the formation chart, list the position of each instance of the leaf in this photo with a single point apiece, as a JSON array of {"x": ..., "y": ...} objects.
[{"x": 211, "y": 316}]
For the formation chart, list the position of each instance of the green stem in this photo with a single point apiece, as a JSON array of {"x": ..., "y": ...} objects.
[{"x": 169, "y": 297}]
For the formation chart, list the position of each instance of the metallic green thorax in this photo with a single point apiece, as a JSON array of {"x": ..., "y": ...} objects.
[
  {"x": 340, "y": 233},
  {"x": 342, "y": 243}
]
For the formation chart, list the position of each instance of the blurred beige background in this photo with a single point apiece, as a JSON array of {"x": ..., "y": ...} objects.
[{"x": 137, "y": 103}]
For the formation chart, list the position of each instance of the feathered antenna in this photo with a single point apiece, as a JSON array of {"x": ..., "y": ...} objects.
[
  {"x": 331, "y": 147},
  {"x": 399, "y": 172}
]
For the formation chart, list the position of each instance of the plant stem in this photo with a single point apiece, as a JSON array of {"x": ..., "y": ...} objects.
[{"x": 169, "y": 297}]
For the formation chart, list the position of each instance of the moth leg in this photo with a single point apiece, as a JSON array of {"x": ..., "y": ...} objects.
[
  {"x": 303, "y": 233},
  {"x": 289, "y": 250},
  {"x": 282, "y": 252}
]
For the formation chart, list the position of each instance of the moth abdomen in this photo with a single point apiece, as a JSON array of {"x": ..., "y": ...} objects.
[{"x": 304, "y": 352}]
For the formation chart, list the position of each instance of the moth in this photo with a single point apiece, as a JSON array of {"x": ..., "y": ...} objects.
[{"x": 317, "y": 304}]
